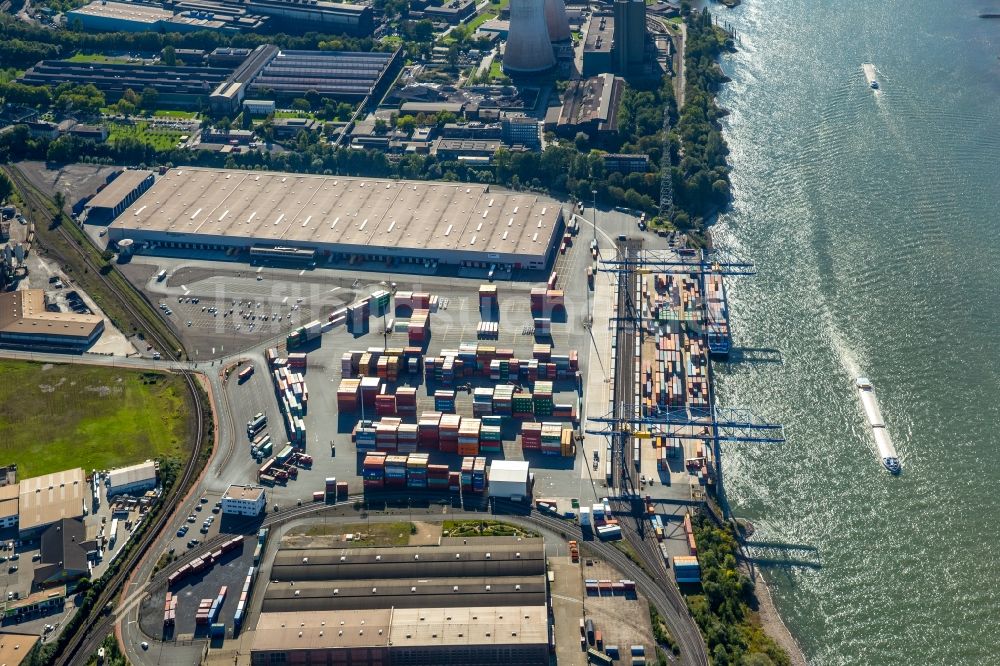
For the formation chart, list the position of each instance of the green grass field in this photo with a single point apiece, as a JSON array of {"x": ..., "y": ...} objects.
[
  {"x": 478, "y": 528},
  {"x": 159, "y": 139},
  {"x": 56, "y": 417},
  {"x": 183, "y": 115},
  {"x": 96, "y": 57},
  {"x": 375, "y": 535}
]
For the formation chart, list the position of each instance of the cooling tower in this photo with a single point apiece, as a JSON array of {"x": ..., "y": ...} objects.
[
  {"x": 555, "y": 19},
  {"x": 528, "y": 50}
]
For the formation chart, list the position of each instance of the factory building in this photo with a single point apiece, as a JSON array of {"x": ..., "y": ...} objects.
[
  {"x": 483, "y": 558},
  {"x": 476, "y": 601},
  {"x": 64, "y": 552},
  {"x": 243, "y": 501},
  {"x": 453, "y": 12},
  {"x": 485, "y": 636},
  {"x": 8, "y": 505},
  {"x": 317, "y": 15},
  {"x": 344, "y": 219},
  {"x": 104, "y": 16},
  {"x": 44, "y": 500},
  {"x": 26, "y": 322},
  {"x": 134, "y": 479},
  {"x": 179, "y": 86},
  {"x": 590, "y": 106},
  {"x": 598, "y": 44},
  {"x": 119, "y": 194},
  {"x": 272, "y": 73}
]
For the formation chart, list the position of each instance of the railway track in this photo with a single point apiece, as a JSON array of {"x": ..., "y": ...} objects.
[{"x": 85, "y": 641}]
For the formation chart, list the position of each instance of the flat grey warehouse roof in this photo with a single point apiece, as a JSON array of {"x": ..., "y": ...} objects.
[{"x": 334, "y": 210}]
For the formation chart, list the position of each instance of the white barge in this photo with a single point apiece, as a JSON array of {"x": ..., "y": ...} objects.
[{"x": 886, "y": 450}]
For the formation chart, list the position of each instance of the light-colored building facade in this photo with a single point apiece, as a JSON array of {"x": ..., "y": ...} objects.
[
  {"x": 134, "y": 479},
  {"x": 243, "y": 501}
]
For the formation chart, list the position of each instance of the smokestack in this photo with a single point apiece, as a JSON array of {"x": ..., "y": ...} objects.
[
  {"x": 529, "y": 50},
  {"x": 556, "y": 20}
]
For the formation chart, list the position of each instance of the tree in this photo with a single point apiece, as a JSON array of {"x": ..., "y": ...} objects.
[
  {"x": 301, "y": 104},
  {"x": 150, "y": 98},
  {"x": 6, "y": 187},
  {"x": 60, "y": 200},
  {"x": 168, "y": 56},
  {"x": 380, "y": 126}
]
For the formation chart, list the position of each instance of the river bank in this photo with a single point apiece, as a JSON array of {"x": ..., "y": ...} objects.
[{"x": 773, "y": 625}]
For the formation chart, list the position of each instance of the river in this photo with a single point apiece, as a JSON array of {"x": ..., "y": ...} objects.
[{"x": 874, "y": 222}]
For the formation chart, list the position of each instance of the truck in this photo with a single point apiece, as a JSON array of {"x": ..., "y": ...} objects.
[
  {"x": 161, "y": 276},
  {"x": 590, "y": 277},
  {"x": 244, "y": 374},
  {"x": 255, "y": 424}
]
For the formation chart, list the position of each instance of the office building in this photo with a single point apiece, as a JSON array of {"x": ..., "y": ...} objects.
[{"x": 243, "y": 501}]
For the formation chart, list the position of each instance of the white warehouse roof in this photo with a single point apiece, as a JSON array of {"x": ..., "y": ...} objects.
[
  {"x": 126, "y": 476},
  {"x": 509, "y": 471}
]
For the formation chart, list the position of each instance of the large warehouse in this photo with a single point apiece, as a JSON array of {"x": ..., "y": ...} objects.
[
  {"x": 341, "y": 218},
  {"x": 414, "y": 637},
  {"x": 26, "y": 322},
  {"x": 476, "y": 601}
]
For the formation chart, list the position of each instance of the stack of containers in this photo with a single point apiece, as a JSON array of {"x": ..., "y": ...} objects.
[
  {"x": 373, "y": 470},
  {"x": 523, "y": 405},
  {"x": 406, "y": 400},
  {"x": 564, "y": 411},
  {"x": 380, "y": 302},
  {"x": 406, "y": 438},
  {"x": 348, "y": 363},
  {"x": 531, "y": 436},
  {"x": 448, "y": 433},
  {"x": 416, "y": 470},
  {"x": 543, "y": 398},
  {"x": 363, "y": 436},
  {"x": 297, "y": 361},
  {"x": 358, "y": 314},
  {"x": 566, "y": 447},
  {"x": 437, "y": 477},
  {"x": 479, "y": 475},
  {"x": 487, "y": 300},
  {"x": 468, "y": 437},
  {"x": 554, "y": 298},
  {"x": 370, "y": 387},
  {"x": 427, "y": 429},
  {"x": 538, "y": 299},
  {"x": 419, "y": 326},
  {"x": 541, "y": 351},
  {"x": 385, "y": 434},
  {"x": 503, "y": 400},
  {"x": 467, "y": 466},
  {"x": 687, "y": 569},
  {"x": 490, "y": 435},
  {"x": 347, "y": 395},
  {"x": 395, "y": 471},
  {"x": 482, "y": 402},
  {"x": 543, "y": 327},
  {"x": 444, "y": 401},
  {"x": 385, "y": 404},
  {"x": 331, "y": 489},
  {"x": 500, "y": 369},
  {"x": 454, "y": 481},
  {"x": 552, "y": 438},
  {"x": 241, "y": 607},
  {"x": 204, "y": 608},
  {"x": 487, "y": 330}
]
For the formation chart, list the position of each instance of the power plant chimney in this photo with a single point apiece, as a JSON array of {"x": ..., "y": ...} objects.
[
  {"x": 556, "y": 20},
  {"x": 528, "y": 50}
]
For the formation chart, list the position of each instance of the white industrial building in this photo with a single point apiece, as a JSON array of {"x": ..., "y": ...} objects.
[
  {"x": 243, "y": 501},
  {"x": 336, "y": 218},
  {"x": 134, "y": 479},
  {"x": 510, "y": 479}
]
